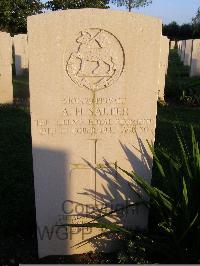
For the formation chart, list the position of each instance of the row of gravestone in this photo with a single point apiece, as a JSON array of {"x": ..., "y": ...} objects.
[
  {"x": 12, "y": 50},
  {"x": 94, "y": 77},
  {"x": 189, "y": 52},
  {"x": 19, "y": 47}
]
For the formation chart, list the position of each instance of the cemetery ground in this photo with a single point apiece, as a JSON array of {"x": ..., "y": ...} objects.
[{"x": 17, "y": 213}]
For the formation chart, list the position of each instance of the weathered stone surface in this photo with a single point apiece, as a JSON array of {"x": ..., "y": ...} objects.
[
  {"x": 164, "y": 54},
  {"x": 195, "y": 62},
  {"x": 21, "y": 54},
  {"x": 188, "y": 52},
  {"x": 6, "y": 88},
  {"x": 93, "y": 90}
]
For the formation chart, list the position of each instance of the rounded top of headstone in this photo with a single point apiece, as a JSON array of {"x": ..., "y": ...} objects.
[
  {"x": 4, "y": 33},
  {"x": 19, "y": 36},
  {"x": 97, "y": 11}
]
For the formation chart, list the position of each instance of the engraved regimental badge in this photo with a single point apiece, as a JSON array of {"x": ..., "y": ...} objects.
[{"x": 97, "y": 60}]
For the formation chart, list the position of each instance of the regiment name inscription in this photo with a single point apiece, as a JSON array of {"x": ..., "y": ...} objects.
[{"x": 90, "y": 116}]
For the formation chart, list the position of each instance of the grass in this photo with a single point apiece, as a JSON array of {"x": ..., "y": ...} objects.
[
  {"x": 175, "y": 208},
  {"x": 170, "y": 119},
  {"x": 18, "y": 242}
]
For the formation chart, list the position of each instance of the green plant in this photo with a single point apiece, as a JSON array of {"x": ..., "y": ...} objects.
[
  {"x": 191, "y": 97},
  {"x": 13, "y": 15},
  {"x": 75, "y": 4},
  {"x": 177, "y": 201},
  {"x": 130, "y": 4}
]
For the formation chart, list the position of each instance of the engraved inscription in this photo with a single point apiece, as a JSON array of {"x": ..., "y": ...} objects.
[
  {"x": 97, "y": 61},
  {"x": 78, "y": 117}
]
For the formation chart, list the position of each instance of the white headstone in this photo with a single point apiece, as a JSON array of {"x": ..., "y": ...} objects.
[
  {"x": 183, "y": 50},
  {"x": 179, "y": 48},
  {"x": 195, "y": 62},
  {"x": 188, "y": 52},
  {"x": 6, "y": 88},
  {"x": 93, "y": 106},
  {"x": 21, "y": 54},
  {"x": 164, "y": 54},
  {"x": 172, "y": 44}
]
